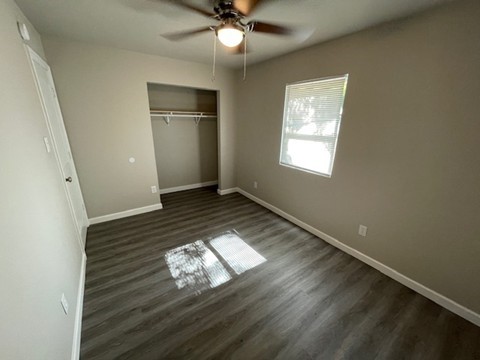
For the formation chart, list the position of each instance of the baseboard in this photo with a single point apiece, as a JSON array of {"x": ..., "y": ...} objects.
[
  {"x": 188, "y": 187},
  {"x": 440, "y": 299},
  {"x": 77, "y": 331},
  {"x": 127, "y": 213},
  {"x": 228, "y": 191}
]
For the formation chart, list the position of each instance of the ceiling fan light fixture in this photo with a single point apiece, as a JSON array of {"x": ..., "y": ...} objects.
[{"x": 230, "y": 35}]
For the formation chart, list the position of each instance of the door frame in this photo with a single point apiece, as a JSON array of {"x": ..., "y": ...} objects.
[
  {"x": 81, "y": 231},
  {"x": 218, "y": 132}
]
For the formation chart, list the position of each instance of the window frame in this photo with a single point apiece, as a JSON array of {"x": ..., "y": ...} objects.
[{"x": 330, "y": 139}]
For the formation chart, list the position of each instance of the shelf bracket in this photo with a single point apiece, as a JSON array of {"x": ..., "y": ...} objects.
[
  {"x": 198, "y": 118},
  {"x": 167, "y": 118}
]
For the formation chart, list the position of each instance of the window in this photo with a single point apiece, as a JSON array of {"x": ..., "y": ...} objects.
[{"x": 311, "y": 122}]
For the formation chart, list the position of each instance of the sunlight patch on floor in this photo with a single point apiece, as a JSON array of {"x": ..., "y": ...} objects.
[
  {"x": 236, "y": 252},
  {"x": 195, "y": 267}
]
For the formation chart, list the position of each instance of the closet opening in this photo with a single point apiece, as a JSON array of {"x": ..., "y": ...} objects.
[{"x": 185, "y": 135}]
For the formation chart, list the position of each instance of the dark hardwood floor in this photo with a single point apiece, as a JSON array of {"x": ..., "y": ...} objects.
[{"x": 308, "y": 300}]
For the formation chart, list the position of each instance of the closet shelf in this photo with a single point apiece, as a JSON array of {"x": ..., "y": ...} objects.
[{"x": 169, "y": 115}]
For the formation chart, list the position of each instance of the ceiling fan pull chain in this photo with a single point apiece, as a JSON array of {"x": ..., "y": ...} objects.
[
  {"x": 214, "y": 54},
  {"x": 245, "y": 58}
]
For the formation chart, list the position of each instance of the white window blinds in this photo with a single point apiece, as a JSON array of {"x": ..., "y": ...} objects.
[{"x": 311, "y": 122}]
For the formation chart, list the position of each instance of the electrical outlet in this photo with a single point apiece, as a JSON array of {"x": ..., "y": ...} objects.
[
  {"x": 64, "y": 303},
  {"x": 362, "y": 230},
  {"x": 154, "y": 189},
  {"x": 255, "y": 184}
]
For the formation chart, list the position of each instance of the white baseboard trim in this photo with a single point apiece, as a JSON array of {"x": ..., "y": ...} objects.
[
  {"x": 119, "y": 215},
  {"x": 440, "y": 299},
  {"x": 77, "y": 331},
  {"x": 228, "y": 191},
  {"x": 188, "y": 187}
]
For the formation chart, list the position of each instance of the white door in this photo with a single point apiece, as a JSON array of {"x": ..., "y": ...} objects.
[{"x": 60, "y": 144}]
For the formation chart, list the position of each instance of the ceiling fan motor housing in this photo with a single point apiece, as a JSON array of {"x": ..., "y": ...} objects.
[
  {"x": 226, "y": 10},
  {"x": 230, "y": 14}
]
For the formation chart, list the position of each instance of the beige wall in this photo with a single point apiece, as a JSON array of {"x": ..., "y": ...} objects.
[
  {"x": 103, "y": 95},
  {"x": 40, "y": 256},
  {"x": 407, "y": 162},
  {"x": 180, "y": 98}
]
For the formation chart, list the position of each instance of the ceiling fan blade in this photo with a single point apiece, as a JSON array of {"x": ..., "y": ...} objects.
[
  {"x": 258, "y": 26},
  {"x": 188, "y": 6},
  {"x": 246, "y": 7},
  {"x": 176, "y": 36}
]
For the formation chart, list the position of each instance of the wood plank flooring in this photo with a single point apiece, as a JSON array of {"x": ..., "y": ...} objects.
[{"x": 307, "y": 301}]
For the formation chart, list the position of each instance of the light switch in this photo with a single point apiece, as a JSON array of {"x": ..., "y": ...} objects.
[
  {"x": 23, "y": 30},
  {"x": 64, "y": 302},
  {"x": 47, "y": 144}
]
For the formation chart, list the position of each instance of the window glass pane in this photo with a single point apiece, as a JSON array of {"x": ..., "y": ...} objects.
[
  {"x": 309, "y": 155},
  {"x": 312, "y": 116}
]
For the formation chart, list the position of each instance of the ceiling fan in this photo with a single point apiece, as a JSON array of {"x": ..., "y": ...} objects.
[{"x": 232, "y": 28}]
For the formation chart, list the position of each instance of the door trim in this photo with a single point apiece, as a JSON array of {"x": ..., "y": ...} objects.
[{"x": 80, "y": 229}]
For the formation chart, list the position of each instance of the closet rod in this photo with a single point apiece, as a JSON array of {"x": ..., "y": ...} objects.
[{"x": 168, "y": 115}]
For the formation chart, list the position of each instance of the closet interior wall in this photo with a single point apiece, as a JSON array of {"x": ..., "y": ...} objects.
[{"x": 186, "y": 148}]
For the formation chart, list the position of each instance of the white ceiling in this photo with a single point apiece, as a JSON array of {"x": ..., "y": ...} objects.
[{"x": 137, "y": 24}]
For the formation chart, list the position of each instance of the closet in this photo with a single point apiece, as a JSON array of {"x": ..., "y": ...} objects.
[{"x": 184, "y": 125}]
